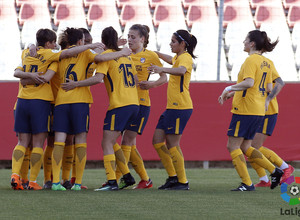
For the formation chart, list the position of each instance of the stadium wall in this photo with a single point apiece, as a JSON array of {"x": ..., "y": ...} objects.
[{"x": 204, "y": 138}]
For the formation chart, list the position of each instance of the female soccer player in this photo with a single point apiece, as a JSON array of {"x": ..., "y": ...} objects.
[
  {"x": 138, "y": 38},
  {"x": 249, "y": 103},
  {"x": 265, "y": 130},
  {"x": 119, "y": 78},
  {"x": 33, "y": 105},
  {"x": 168, "y": 132}
]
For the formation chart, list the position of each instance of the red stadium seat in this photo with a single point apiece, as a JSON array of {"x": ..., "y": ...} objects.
[
  {"x": 103, "y": 13},
  {"x": 269, "y": 14},
  {"x": 8, "y": 11},
  {"x": 34, "y": 11},
  {"x": 168, "y": 13},
  {"x": 154, "y": 3},
  {"x": 293, "y": 15},
  {"x": 121, "y": 3},
  {"x": 135, "y": 13},
  {"x": 288, "y": 3},
  {"x": 237, "y": 13},
  {"x": 201, "y": 13},
  {"x": 68, "y": 12}
]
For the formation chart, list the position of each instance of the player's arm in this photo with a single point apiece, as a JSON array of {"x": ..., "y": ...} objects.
[
  {"x": 45, "y": 78},
  {"x": 178, "y": 71},
  {"x": 114, "y": 55},
  {"x": 35, "y": 77},
  {"x": 70, "y": 84},
  {"x": 279, "y": 84},
  {"x": 148, "y": 84},
  {"x": 165, "y": 57},
  {"x": 78, "y": 49}
]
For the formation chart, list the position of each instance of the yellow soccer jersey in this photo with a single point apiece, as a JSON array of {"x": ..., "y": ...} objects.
[
  {"x": 119, "y": 81},
  {"x": 273, "y": 106},
  {"x": 252, "y": 100},
  {"x": 178, "y": 93},
  {"x": 37, "y": 64},
  {"x": 75, "y": 68},
  {"x": 142, "y": 61}
]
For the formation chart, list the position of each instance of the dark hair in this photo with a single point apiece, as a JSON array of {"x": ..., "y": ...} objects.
[
  {"x": 45, "y": 35},
  {"x": 262, "y": 41},
  {"x": 143, "y": 32},
  {"x": 189, "y": 40},
  {"x": 63, "y": 41},
  {"x": 73, "y": 35},
  {"x": 84, "y": 30},
  {"x": 110, "y": 38}
]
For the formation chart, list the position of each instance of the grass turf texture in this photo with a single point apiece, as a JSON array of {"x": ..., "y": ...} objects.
[{"x": 209, "y": 198}]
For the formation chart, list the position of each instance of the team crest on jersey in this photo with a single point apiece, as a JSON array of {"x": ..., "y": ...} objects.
[
  {"x": 55, "y": 51},
  {"x": 143, "y": 60}
]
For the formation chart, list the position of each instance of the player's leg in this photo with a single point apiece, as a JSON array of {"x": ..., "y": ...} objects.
[{"x": 67, "y": 161}]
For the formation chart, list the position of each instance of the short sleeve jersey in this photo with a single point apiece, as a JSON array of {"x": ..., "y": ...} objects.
[
  {"x": 178, "y": 93},
  {"x": 119, "y": 81},
  {"x": 252, "y": 100},
  {"x": 40, "y": 63},
  {"x": 74, "y": 68},
  {"x": 142, "y": 61},
  {"x": 273, "y": 106}
]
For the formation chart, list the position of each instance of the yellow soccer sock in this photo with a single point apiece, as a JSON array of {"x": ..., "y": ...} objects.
[
  {"x": 138, "y": 163},
  {"x": 239, "y": 162},
  {"x": 36, "y": 161},
  {"x": 17, "y": 159},
  {"x": 259, "y": 170},
  {"x": 178, "y": 161},
  {"x": 47, "y": 166},
  {"x": 67, "y": 162},
  {"x": 25, "y": 165},
  {"x": 165, "y": 158},
  {"x": 110, "y": 166},
  {"x": 80, "y": 161},
  {"x": 121, "y": 162},
  {"x": 73, "y": 164},
  {"x": 57, "y": 155},
  {"x": 260, "y": 159},
  {"x": 271, "y": 156},
  {"x": 126, "y": 151}
]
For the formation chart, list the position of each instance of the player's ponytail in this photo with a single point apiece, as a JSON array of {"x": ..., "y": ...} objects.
[
  {"x": 189, "y": 40},
  {"x": 262, "y": 41},
  {"x": 110, "y": 38}
]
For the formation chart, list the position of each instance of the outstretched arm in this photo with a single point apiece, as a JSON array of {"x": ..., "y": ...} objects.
[
  {"x": 148, "y": 84},
  {"x": 70, "y": 84},
  {"x": 114, "y": 55},
  {"x": 78, "y": 49},
  {"x": 165, "y": 57},
  {"x": 179, "y": 71}
]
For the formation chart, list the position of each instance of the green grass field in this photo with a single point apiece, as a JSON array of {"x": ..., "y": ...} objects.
[{"x": 209, "y": 198}]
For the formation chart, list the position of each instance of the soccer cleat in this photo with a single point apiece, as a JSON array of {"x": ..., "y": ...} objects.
[
  {"x": 275, "y": 177},
  {"x": 286, "y": 173},
  {"x": 143, "y": 184},
  {"x": 126, "y": 180},
  {"x": 34, "y": 186},
  {"x": 76, "y": 187},
  {"x": 67, "y": 184},
  {"x": 243, "y": 187},
  {"x": 25, "y": 183},
  {"x": 73, "y": 179},
  {"x": 111, "y": 185},
  {"x": 48, "y": 185},
  {"x": 263, "y": 184},
  {"x": 171, "y": 181},
  {"x": 58, "y": 187},
  {"x": 179, "y": 186},
  {"x": 15, "y": 182}
]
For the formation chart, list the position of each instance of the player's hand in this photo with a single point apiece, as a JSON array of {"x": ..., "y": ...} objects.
[
  {"x": 154, "y": 69},
  {"x": 68, "y": 85},
  {"x": 145, "y": 85},
  {"x": 126, "y": 51},
  {"x": 223, "y": 97},
  {"x": 97, "y": 45},
  {"x": 37, "y": 78},
  {"x": 267, "y": 102},
  {"x": 122, "y": 41}
]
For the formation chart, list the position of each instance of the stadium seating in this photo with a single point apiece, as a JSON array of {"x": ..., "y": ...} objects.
[
  {"x": 255, "y": 3},
  {"x": 201, "y": 13},
  {"x": 98, "y": 26},
  {"x": 187, "y": 3},
  {"x": 296, "y": 36},
  {"x": 154, "y": 3},
  {"x": 269, "y": 14},
  {"x": 237, "y": 13},
  {"x": 293, "y": 15},
  {"x": 34, "y": 11},
  {"x": 102, "y": 12},
  {"x": 121, "y": 3},
  {"x": 87, "y": 3},
  {"x": 288, "y": 3},
  {"x": 54, "y": 3},
  {"x": 234, "y": 2},
  {"x": 168, "y": 13},
  {"x": 135, "y": 13},
  {"x": 68, "y": 12},
  {"x": 20, "y": 2}
]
